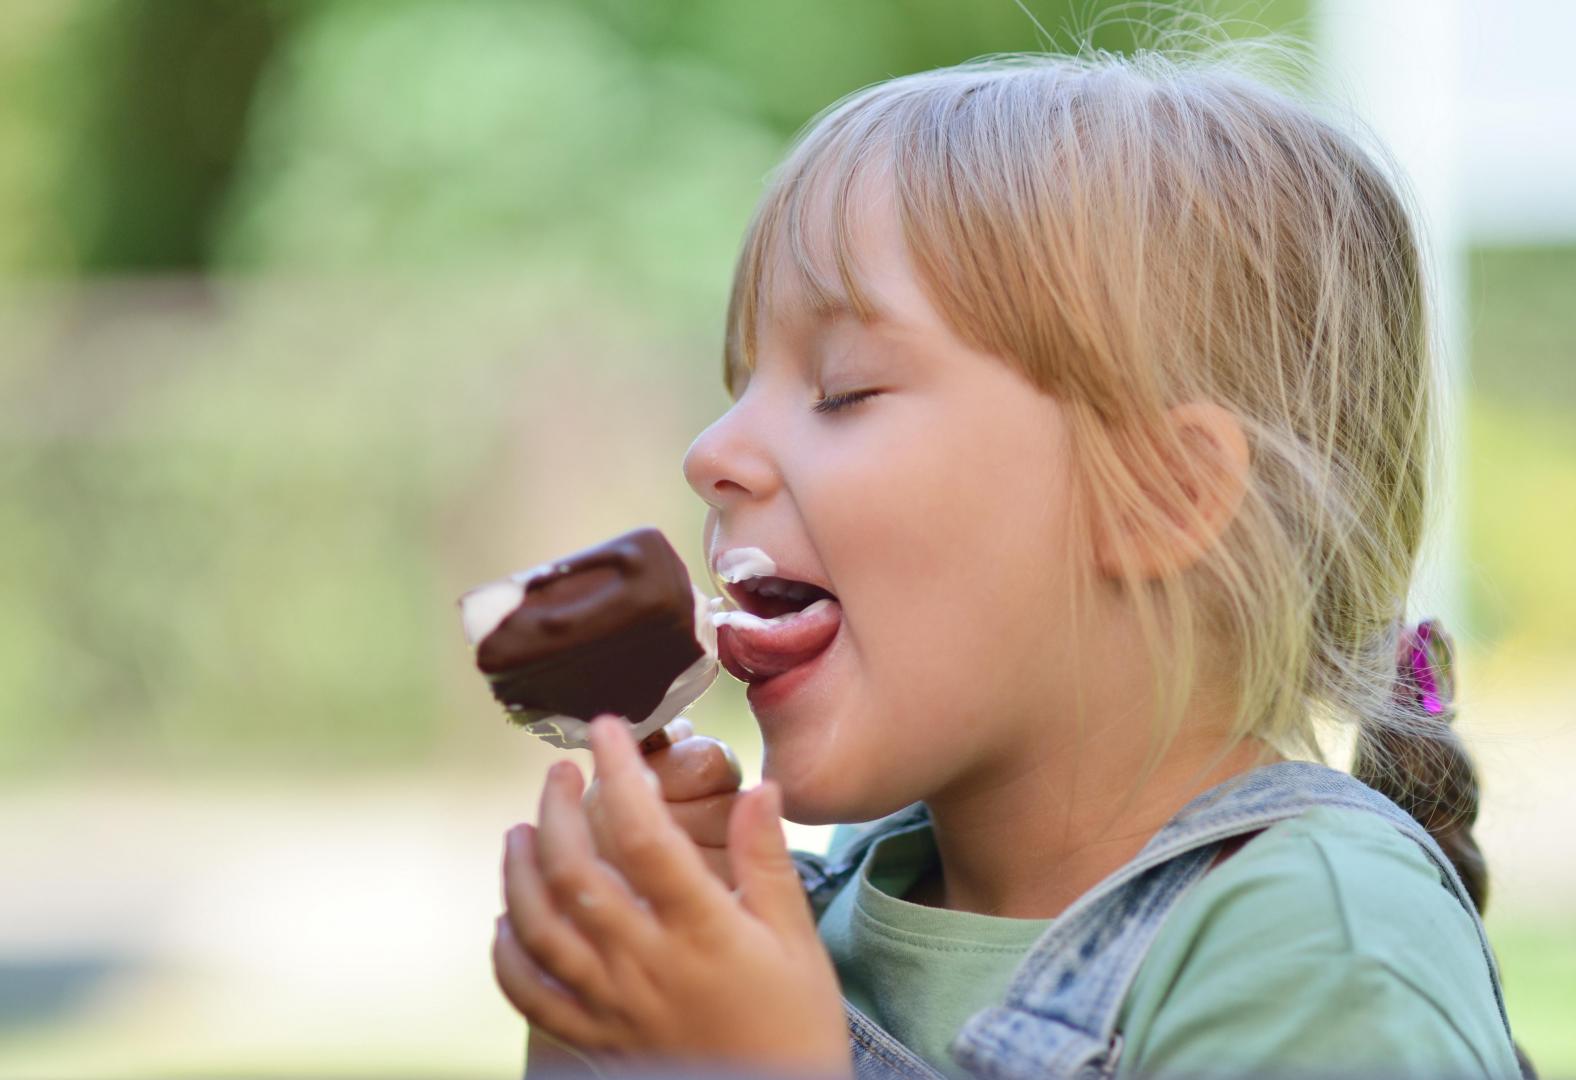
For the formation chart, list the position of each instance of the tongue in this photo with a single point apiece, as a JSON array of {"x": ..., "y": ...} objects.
[{"x": 753, "y": 649}]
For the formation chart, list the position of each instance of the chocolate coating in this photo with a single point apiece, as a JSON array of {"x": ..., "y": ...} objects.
[{"x": 606, "y": 629}]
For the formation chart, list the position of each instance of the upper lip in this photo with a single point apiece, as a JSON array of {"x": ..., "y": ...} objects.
[{"x": 785, "y": 572}]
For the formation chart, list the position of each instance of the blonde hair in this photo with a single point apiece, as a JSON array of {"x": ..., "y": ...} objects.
[{"x": 1131, "y": 233}]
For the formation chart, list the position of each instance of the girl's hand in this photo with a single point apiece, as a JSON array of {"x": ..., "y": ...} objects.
[
  {"x": 700, "y": 778},
  {"x": 642, "y": 953}
]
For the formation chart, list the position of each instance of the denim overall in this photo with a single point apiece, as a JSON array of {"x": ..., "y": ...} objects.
[{"x": 1059, "y": 1017}]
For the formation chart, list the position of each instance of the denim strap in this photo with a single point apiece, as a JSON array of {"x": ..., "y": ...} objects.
[
  {"x": 1059, "y": 1016},
  {"x": 824, "y": 876}
]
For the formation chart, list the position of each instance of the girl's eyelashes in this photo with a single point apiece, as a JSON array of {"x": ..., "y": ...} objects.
[{"x": 833, "y": 402}]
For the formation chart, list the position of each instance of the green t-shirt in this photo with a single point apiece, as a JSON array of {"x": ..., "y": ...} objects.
[{"x": 1327, "y": 944}]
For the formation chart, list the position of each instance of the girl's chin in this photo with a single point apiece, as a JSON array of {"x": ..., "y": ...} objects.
[
  {"x": 813, "y": 796},
  {"x": 827, "y": 796}
]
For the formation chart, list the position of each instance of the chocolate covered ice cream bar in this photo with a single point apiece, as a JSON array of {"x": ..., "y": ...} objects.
[{"x": 616, "y": 628}]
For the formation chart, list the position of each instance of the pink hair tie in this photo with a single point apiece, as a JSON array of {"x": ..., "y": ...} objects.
[{"x": 1424, "y": 658}]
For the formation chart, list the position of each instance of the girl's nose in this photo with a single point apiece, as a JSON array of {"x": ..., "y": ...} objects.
[{"x": 727, "y": 464}]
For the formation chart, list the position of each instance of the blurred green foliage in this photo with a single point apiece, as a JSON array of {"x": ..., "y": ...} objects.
[
  {"x": 604, "y": 155},
  {"x": 1537, "y": 963},
  {"x": 1521, "y": 448},
  {"x": 1520, "y": 327},
  {"x": 151, "y": 154},
  {"x": 217, "y": 541},
  {"x": 618, "y": 142},
  {"x": 219, "y": 504},
  {"x": 570, "y": 152}
]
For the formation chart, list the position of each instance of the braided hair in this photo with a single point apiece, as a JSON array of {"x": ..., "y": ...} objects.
[{"x": 1423, "y": 767}]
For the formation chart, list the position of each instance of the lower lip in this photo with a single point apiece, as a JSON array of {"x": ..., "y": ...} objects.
[{"x": 779, "y": 688}]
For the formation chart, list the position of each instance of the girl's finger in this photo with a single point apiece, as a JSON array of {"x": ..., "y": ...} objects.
[
  {"x": 532, "y": 991},
  {"x": 581, "y": 886},
  {"x": 716, "y": 859},
  {"x": 551, "y": 941},
  {"x": 705, "y": 821},
  {"x": 769, "y": 885},
  {"x": 655, "y": 857},
  {"x": 694, "y": 768}
]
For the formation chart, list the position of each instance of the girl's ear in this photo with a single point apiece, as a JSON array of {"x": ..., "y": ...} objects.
[{"x": 1191, "y": 487}]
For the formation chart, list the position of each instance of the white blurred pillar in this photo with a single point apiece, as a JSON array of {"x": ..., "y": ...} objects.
[{"x": 1397, "y": 64}]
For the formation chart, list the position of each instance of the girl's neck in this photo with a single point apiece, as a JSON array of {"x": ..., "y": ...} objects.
[{"x": 1030, "y": 843}]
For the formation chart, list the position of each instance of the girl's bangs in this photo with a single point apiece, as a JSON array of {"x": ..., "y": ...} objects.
[{"x": 803, "y": 230}]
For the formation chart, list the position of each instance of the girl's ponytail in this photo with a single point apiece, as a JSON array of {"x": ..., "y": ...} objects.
[
  {"x": 1421, "y": 764},
  {"x": 1419, "y": 761}
]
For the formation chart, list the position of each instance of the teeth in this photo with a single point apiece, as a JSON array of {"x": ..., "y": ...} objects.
[
  {"x": 794, "y": 590},
  {"x": 735, "y": 617}
]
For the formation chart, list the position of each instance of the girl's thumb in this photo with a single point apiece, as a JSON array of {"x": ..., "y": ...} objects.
[{"x": 767, "y": 883}]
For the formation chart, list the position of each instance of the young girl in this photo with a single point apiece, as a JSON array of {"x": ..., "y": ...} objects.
[{"x": 1095, "y": 395}]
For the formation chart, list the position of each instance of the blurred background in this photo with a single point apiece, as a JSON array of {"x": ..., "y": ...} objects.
[{"x": 314, "y": 314}]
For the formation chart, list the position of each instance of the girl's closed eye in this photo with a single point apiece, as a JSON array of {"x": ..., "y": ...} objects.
[{"x": 833, "y": 402}]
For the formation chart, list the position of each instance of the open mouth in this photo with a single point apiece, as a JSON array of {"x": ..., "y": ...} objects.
[
  {"x": 779, "y": 624},
  {"x": 771, "y": 597}
]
